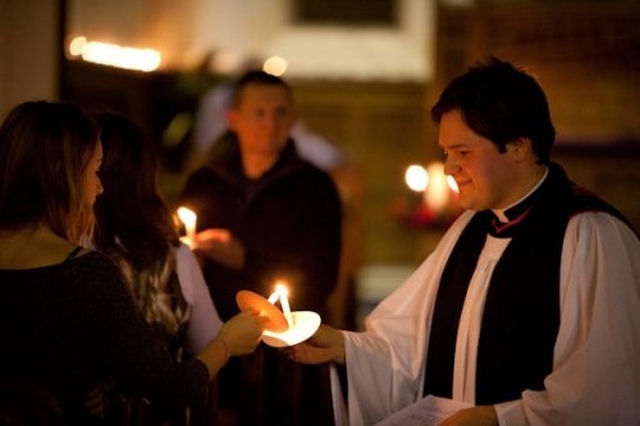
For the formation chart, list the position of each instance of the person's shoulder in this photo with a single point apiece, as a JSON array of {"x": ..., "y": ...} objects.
[
  {"x": 584, "y": 201},
  {"x": 315, "y": 148},
  {"x": 93, "y": 256},
  {"x": 314, "y": 175},
  {"x": 95, "y": 264},
  {"x": 313, "y": 171},
  {"x": 601, "y": 222}
]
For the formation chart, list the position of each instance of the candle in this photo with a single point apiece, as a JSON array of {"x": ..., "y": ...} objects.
[
  {"x": 437, "y": 191},
  {"x": 284, "y": 328},
  {"x": 274, "y": 297},
  {"x": 188, "y": 218},
  {"x": 284, "y": 303}
]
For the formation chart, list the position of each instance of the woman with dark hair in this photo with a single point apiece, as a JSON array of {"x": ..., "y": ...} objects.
[
  {"x": 136, "y": 228},
  {"x": 67, "y": 316}
]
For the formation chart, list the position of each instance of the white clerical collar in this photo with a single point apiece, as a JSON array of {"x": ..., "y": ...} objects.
[{"x": 500, "y": 213}]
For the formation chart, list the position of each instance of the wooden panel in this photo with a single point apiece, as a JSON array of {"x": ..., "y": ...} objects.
[
  {"x": 584, "y": 55},
  {"x": 381, "y": 127}
]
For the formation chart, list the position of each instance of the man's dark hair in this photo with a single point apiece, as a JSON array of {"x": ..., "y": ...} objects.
[
  {"x": 500, "y": 102},
  {"x": 257, "y": 77}
]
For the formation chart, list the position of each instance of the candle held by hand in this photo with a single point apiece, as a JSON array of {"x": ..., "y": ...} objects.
[
  {"x": 285, "y": 328},
  {"x": 188, "y": 218},
  {"x": 281, "y": 289}
]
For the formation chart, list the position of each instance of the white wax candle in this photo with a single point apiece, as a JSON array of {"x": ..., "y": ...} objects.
[
  {"x": 274, "y": 297},
  {"x": 284, "y": 302},
  {"x": 189, "y": 218},
  {"x": 437, "y": 191}
]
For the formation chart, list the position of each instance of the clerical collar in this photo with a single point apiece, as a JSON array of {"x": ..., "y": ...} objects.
[{"x": 519, "y": 207}]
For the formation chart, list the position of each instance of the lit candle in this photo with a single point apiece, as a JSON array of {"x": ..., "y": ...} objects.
[
  {"x": 274, "y": 297},
  {"x": 437, "y": 191},
  {"x": 188, "y": 217},
  {"x": 284, "y": 303}
]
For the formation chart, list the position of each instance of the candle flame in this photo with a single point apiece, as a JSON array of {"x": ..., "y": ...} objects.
[
  {"x": 188, "y": 217},
  {"x": 283, "y": 292},
  {"x": 281, "y": 289}
]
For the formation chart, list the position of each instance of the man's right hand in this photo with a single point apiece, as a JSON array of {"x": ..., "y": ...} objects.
[
  {"x": 326, "y": 345},
  {"x": 221, "y": 246}
]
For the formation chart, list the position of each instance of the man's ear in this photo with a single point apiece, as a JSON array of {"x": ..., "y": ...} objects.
[{"x": 520, "y": 148}]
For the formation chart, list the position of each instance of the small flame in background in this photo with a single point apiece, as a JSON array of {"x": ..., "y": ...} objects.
[{"x": 432, "y": 203}]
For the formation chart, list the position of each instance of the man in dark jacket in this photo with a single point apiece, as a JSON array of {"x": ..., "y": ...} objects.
[{"x": 264, "y": 214}]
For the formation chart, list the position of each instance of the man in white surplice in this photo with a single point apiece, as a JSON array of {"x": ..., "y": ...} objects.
[{"x": 529, "y": 307}]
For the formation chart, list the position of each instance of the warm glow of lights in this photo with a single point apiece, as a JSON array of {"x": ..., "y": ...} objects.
[
  {"x": 275, "y": 65},
  {"x": 437, "y": 192},
  {"x": 281, "y": 288},
  {"x": 76, "y": 45},
  {"x": 302, "y": 324},
  {"x": 416, "y": 178},
  {"x": 114, "y": 55},
  {"x": 188, "y": 217}
]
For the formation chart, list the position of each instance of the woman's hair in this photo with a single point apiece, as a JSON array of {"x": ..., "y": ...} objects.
[
  {"x": 136, "y": 228},
  {"x": 45, "y": 149},
  {"x": 133, "y": 220},
  {"x": 501, "y": 103}
]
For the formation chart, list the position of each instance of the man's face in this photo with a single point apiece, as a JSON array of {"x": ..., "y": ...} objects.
[
  {"x": 262, "y": 119},
  {"x": 486, "y": 178}
]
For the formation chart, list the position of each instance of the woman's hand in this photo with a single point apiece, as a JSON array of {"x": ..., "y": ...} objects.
[
  {"x": 238, "y": 336},
  {"x": 241, "y": 334}
]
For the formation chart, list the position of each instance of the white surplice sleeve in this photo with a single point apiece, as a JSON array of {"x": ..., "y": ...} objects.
[
  {"x": 385, "y": 363},
  {"x": 596, "y": 372},
  {"x": 205, "y": 321}
]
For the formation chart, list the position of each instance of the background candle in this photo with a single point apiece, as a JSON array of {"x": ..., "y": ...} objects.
[{"x": 437, "y": 191}]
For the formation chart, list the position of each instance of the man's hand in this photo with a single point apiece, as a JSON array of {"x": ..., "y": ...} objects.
[
  {"x": 221, "y": 246},
  {"x": 95, "y": 402},
  {"x": 326, "y": 345}
]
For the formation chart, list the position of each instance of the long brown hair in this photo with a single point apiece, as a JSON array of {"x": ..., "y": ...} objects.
[
  {"x": 136, "y": 228},
  {"x": 134, "y": 222},
  {"x": 45, "y": 148}
]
